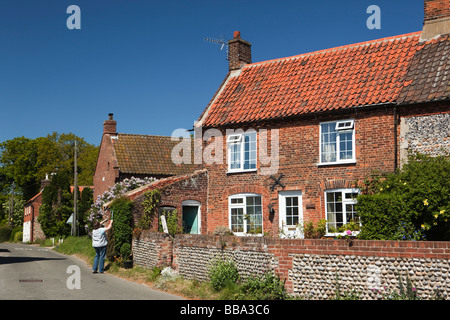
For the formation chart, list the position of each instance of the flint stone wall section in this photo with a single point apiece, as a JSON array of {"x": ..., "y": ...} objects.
[{"x": 311, "y": 268}]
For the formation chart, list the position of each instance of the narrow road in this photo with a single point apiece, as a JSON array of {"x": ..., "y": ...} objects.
[{"x": 30, "y": 272}]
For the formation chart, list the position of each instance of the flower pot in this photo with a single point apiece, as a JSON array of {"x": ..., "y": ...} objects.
[{"x": 127, "y": 264}]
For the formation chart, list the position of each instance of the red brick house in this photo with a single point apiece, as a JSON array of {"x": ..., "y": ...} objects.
[
  {"x": 31, "y": 227},
  {"x": 326, "y": 119},
  {"x": 124, "y": 156},
  {"x": 288, "y": 140}
]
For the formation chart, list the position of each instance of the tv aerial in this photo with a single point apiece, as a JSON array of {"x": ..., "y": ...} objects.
[{"x": 223, "y": 44}]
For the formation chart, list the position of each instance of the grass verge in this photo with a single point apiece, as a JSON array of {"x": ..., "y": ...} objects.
[{"x": 252, "y": 289}]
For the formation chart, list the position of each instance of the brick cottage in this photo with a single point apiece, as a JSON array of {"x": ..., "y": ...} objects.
[
  {"x": 290, "y": 139},
  {"x": 124, "y": 155}
]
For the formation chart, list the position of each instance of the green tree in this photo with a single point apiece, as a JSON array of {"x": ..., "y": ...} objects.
[
  {"x": 85, "y": 201},
  {"x": 17, "y": 213},
  {"x": 27, "y": 161},
  {"x": 18, "y": 157},
  {"x": 57, "y": 206},
  {"x": 123, "y": 219}
]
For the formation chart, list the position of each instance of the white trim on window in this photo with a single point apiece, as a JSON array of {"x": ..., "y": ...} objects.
[
  {"x": 341, "y": 204},
  {"x": 242, "y": 153},
  {"x": 239, "y": 213},
  {"x": 337, "y": 142},
  {"x": 344, "y": 125}
]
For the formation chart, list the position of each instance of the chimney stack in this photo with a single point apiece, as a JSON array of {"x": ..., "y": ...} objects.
[
  {"x": 240, "y": 52},
  {"x": 436, "y": 19},
  {"x": 45, "y": 182},
  {"x": 110, "y": 125}
]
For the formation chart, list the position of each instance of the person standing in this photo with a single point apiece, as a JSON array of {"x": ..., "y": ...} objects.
[{"x": 99, "y": 242}]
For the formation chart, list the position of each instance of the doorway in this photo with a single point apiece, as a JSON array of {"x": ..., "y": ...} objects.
[{"x": 191, "y": 217}]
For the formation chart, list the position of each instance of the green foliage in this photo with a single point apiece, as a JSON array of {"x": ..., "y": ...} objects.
[
  {"x": 125, "y": 251},
  {"x": 17, "y": 213},
  {"x": 172, "y": 222},
  {"x": 316, "y": 231},
  {"x": 26, "y": 162},
  {"x": 223, "y": 272},
  {"x": 150, "y": 205},
  {"x": 410, "y": 204},
  {"x": 57, "y": 206},
  {"x": 77, "y": 245},
  {"x": 264, "y": 287},
  {"x": 16, "y": 234},
  {"x": 86, "y": 199},
  {"x": 5, "y": 233},
  {"x": 122, "y": 226}
]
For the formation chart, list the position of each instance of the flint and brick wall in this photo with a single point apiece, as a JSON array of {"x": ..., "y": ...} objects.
[
  {"x": 152, "y": 249},
  {"x": 311, "y": 268}
]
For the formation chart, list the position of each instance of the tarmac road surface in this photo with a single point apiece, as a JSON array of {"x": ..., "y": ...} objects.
[{"x": 34, "y": 273}]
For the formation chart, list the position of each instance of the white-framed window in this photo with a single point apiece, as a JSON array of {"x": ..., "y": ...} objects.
[
  {"x": 340, "y": 207},
  {"x": 242, "y": 152},
  {"x": 337, "y": 142},
  {"x": 291, "y": 212},
  {"x": 245, "y": 214}
]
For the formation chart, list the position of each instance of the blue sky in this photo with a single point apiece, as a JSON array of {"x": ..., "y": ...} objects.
[{"x": 147, "y": 61}]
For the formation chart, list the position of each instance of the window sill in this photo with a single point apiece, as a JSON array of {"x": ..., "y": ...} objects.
[
  {"x": 342, "y": 234},
  {"x": 243, "y": 234},
  {"x": 336, "y": 163},
  {"x": 241, "y": 171}
]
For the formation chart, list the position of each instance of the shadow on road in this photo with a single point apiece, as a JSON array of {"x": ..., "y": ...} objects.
[{"x": 8, "y": 260}]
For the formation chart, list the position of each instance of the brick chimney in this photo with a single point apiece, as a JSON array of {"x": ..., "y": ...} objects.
[
  {"x": 240, "y": 52},
  {"x": 436, "y": 19},
  {"x": 45, "y": 182},
  {"x": 110, "y": 125}
]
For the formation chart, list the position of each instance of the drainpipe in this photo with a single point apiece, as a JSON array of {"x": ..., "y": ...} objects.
[{"x": 395, "y": 139}]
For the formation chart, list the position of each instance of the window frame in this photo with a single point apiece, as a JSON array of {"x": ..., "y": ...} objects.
[
  {"x": 239, "y": 138},
  {"x": 344, "y": 202},
  {"x": 350, "y": 127},
  {"x": 243, "y": 205}
]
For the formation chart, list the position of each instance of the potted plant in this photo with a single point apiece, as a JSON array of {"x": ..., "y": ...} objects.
[{"x": 125, "y": 253}]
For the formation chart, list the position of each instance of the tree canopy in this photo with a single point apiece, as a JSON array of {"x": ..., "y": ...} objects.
[{"x": 25, "y": 162}]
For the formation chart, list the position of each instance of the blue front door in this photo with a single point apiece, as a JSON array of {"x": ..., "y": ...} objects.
[{"x": 190, "y": 219}]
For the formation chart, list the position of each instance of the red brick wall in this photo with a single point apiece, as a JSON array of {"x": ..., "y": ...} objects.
[
  {"x": 436, "y": 9},
  {"x": 31, "y": 213},
  {"x": 189, "y": 187},
  {"x": 106, "y": 171},
  {"x": 299, "y": 154}
]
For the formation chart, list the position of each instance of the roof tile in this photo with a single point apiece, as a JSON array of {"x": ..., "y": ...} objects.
[
  {"x": 146, "y": 154},
  {"x": 360, "y": 74}
]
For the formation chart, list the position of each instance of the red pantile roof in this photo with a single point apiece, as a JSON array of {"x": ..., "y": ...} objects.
[{"x": 360, "y": 74}]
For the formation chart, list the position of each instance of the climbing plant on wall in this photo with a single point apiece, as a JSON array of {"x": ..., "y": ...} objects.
[{"x": 150, "y": 208}]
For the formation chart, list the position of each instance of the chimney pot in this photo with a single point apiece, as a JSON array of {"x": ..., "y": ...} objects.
[{"x": 237, "y": 35}]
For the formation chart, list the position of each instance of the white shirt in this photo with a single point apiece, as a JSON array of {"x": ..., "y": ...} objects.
[{"x": 99, "y": 238}]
